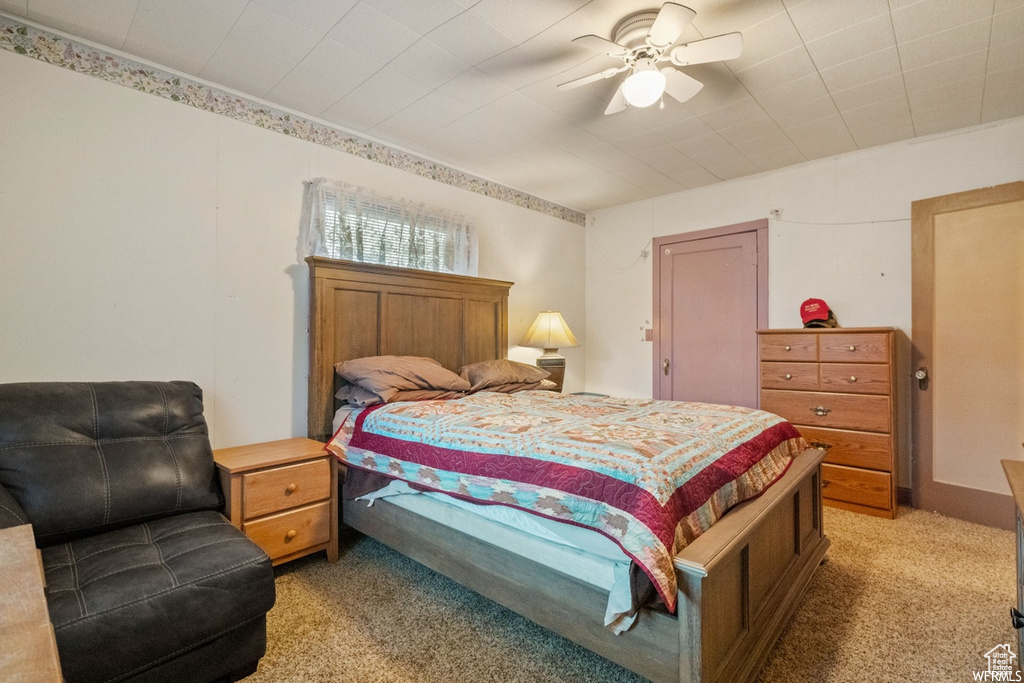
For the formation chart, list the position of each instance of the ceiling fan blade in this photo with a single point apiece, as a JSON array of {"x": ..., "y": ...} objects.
[
  {"x": 670, "y": 23},
  {"x": 717, "y": 49},
  {"x": 679, "y": 85},
  {"x": 599, "y": 44},
  {"x": 575, "y": 83},
  {"x": 617, "y": 104}
]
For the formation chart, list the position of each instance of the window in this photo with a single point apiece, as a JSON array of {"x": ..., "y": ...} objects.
[{"x": 347, "y": 222}]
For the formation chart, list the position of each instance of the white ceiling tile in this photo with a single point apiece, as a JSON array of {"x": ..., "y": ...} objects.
[
  {"x": 636, "y": 142},
  {"x": 521, "y": 20},
  {"x": 725, "y": 17},
  {"x": 732, "y": 168},
  {"x": 183, "y": 34},
  {"x": 685, "y": 129},
  {"x": 319, "y": 15},
  {"x": 333, "y": 61},
  {"x": 470, "y": 38},
  {"x": 391, "y": 89},
  {"x": 955, "y": 91},
  {"x": 546, "y": 92},
  {"x": 261, "y": 30},
  {"x": 723, "y": 93},
  {"x": 765, "y": 40},
  {"x": 791, "y": 94},
  {"x": 934, "y": 16},
  {"x": 305, "y": 91},
  {"x": 554, "y": 47},
  {"x": 354, "y": 112},
  {"x": 1006, "y": 55},
  {"x": 847, "y": 44},
  {"x": 779, "y": 70},
  {"x": 869, "y": 93},
  {"x": 102, "y": 22},
  {"x": 780, "y": 158},
  {"x": 862, "y": 70},
  {"x": 372, "y": 33},
  {"x": 951, "y": 116},
  {"x": 805, "y": 112},
  {"x": 421, "y": 17},
  {"x": 402, "y": 128},
  {"x": 475, "y": 88},
  {"x": 965, "y": 67},
  {"x": 428, "y": 64},
  {"x": 702, "y": 146},
  {"x": 609, "y": 157},
  {"x": 1003, "y": 95},
  {"x": 819, "y": 18},
  {"x": 831, "y": 126},
  {"x": 819, "y": 148},
  {"x": 439, "y": 109},
  {"x": 880, "y": 123},
  {"x": 938, "y": 47},
  {"x": 516, "y": 68},
  {"x": 1008, "y": 26},
  {"x": 16, "y": 7},
  {"x": 1007, "y": 5},
  {"x": 776, "y": 141},
  {"x": 245, "y": 69},
  {"x": 735, "y": 113},
  {"x": 570, "y": 138}
]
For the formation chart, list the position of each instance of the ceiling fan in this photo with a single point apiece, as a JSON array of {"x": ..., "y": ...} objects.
[{"x": 642, "y": 41}]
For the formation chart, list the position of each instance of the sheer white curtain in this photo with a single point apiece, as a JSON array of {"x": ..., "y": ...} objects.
[{"x": 344, "y": 221}]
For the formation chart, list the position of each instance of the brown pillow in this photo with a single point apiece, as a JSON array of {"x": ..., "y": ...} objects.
[
  {"x": 513, "y": 387},
  {"x": 491, "y": 373},
  {"x": 386, "y": 375},
  {"x": 354, "y": 394}
]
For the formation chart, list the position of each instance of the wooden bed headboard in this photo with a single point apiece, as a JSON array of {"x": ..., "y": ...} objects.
[{"x": 360, "y": 309}]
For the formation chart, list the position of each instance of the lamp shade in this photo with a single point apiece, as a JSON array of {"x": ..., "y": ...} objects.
[
  {"x": 645, "y": 85},
  {"x": 549, "y": 331}
]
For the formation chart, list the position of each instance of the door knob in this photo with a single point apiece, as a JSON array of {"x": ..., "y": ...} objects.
[
  {"x": 922, "y": 378},
  {"x": 664, "y": 365}
]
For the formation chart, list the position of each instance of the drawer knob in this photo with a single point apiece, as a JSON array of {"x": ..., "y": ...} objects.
[
  {"x": 290, "y": 535},
  {"x": 852, "y": 347},
  {"x": 789, "y": 376},
  {"x": 821, "y": 411},
  {"x": 821, "y": 446},
  {"x": 825, "y": 483},
  {"x": 787, "y": 347},
  {"x": 291, "y": 488},
  {"x": 853, "y": 378}
]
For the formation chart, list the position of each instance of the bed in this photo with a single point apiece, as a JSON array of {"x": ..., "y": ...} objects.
[{"x": 736, "y": 585}]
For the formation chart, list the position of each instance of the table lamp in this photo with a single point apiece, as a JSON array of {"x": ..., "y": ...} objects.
[{"x": 550, "y": 332}]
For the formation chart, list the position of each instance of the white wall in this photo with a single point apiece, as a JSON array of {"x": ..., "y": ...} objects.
[
  {"x": 144, "y": 239},
  {"x": 843, "y": 236}
]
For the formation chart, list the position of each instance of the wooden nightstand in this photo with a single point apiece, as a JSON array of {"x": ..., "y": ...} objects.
[{"x": 280, "y": 494}]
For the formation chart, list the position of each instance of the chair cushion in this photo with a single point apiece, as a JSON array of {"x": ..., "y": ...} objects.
[
  {"x": 82, "y": 458},
  {"x": 128, "y": 599}
]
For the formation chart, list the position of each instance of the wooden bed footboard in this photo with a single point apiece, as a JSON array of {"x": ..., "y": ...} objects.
[{"x": 738, "y": 583}]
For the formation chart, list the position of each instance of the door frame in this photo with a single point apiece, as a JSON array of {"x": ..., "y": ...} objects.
[
  {"x": 961, "y": 502},
  {"x": 760, "y": 228}
]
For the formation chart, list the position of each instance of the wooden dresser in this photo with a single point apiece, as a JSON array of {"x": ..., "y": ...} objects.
[
  {"x": 280, "y": 494},
  {"x": 837, "y": 386}
]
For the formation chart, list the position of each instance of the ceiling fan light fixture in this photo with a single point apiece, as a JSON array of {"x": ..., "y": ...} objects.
[{"x": 645, "y": 85}]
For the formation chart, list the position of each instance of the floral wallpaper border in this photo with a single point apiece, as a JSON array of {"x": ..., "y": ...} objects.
[{"x": 69, "y": 54}]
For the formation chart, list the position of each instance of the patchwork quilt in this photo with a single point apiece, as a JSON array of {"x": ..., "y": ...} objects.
[{"x": 650, "y": 475}]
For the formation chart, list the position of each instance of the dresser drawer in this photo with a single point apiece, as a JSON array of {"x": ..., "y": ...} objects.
[
  {"x": 280, "y": 488},
  {"x": 855, "y": 347},
  {"x": 292, "y": 531},
  {"x": 860, "y": 487},
  {"x": 844, "y": 411},
  {"x": 789, "y": 376},
  {"x": 789, "y": 347},
  {"x": 856, "y": 449},
  {"x": 854, "y": 378}
]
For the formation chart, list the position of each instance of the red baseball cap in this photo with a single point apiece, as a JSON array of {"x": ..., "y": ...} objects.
[{"x": 813, "y": 309}]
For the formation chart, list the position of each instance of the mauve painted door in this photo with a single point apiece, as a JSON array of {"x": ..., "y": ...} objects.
[{"x": 708, "y": 320}]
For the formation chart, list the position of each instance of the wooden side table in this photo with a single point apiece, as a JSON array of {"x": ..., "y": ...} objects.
[
  {"x": 28, "y": 650},
  {"x": 281, "y": 495}
]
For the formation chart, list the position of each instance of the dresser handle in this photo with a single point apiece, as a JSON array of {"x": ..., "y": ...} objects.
[
  {"x": 820, "y": 445},
  {"x": 853, "y": 348},
  {"x": 787, "y": 348},
  {"x": 853, "y": 378},
  {"x": 821, "y": 411},
  {"x": 290, "y": 535},
  {"x": 291, "y": 488},
  {"x": 825, "y": 483},
  {"x": 789, "y": 376}
]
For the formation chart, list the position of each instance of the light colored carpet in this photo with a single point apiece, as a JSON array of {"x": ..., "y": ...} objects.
[{"x": 922, "y": 597}]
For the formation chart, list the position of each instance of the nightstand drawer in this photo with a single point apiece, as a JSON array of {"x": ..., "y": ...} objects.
[
  {"x": 854, "y": 378},
  {"x": 293, "y": 531},
  {"x": 863, "y": 347},
  {"x": 856, "y": 449},
  {"x": 852, "y": 485},
  {"x": 819, "y": 409},
  {"x": 789, "y": 376},
  {"x": 280, "y": 488},
  {"x": 789, "y": 347}
]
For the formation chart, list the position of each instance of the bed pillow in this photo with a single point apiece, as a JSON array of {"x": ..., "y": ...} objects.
[
  {"x": 493, "y": 373},
  {"x": 353, "y": 394},
  {"x": 513, "y": 387},
  {"x": 387, "y": 375}
]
